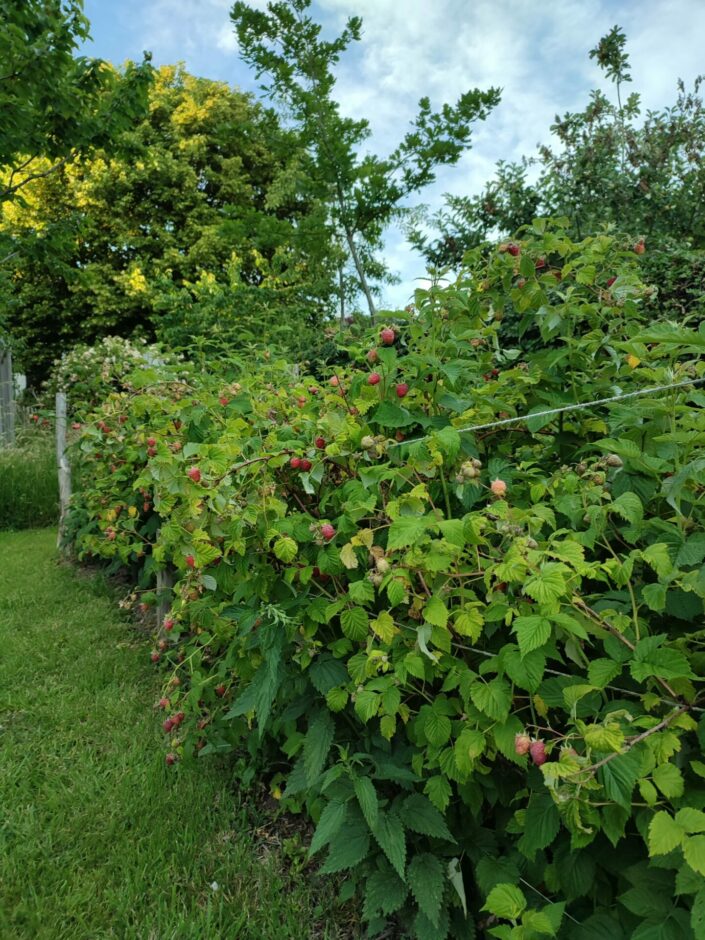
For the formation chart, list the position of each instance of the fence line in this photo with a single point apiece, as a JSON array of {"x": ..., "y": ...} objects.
[{"x": 7, "y": 399}]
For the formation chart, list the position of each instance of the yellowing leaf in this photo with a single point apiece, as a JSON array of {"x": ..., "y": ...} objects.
[{"x": 348, "y": 556}]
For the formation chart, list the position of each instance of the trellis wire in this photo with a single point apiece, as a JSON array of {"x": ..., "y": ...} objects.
[{"x": 557, "y": 411}]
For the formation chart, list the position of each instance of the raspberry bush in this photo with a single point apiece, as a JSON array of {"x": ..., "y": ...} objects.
[{"x": 474, "y": 658}]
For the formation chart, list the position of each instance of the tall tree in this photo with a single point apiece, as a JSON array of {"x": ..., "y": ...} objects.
[
  {"x": 609, "y": 166},
  {"x": 364, "y": 192},
  {"x": 55, "y": 104},
  {"x": 196, "y": 227}
]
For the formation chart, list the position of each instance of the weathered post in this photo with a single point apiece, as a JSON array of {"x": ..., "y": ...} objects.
[
  {"x": 62, "y": 462},
  {"x": 7, "y": 398}
]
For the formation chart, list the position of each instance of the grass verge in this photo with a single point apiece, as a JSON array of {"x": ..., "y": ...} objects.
[{"x": 97, "y": 837}]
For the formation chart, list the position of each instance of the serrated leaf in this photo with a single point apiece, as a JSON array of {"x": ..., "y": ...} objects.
[
  {"x": 421, "y": 816},
  {"x": 505, "y": 901},
  {"x": 532, "y": 632},
  {"x": 669, "y": 780},
  {"x": 331, "y": 820},
  {"x": 694, "y": 852},
  {"x": 361, "y": 592},
  {"x": 602, "y": 671},
  {"x": 405, "y": 531},
  {"x": 664, "y": 834},
  {"x": 469, "y": 622},
  {"x": 426, "y": 878},
  {"x": 385, "y": 892},
  {"x": 619, "y": 776},
  {"x": 493, "y": 698},
  {"x": 658, "y": 558},
  {"x": 435, "y": 612},
  {"x": 337, "y": 699},
  {"x": 396, "y": 592},
  {"x": 455, "y": 876},
  {"x": 367, "y": 798},
  {"x": 348, "y": 556},
  {"x": 317, "y": 744},
  {"x": 548, "y": 584},
  {"x": 541, "y": 824},
  {"x": 436, "y": 728},
  {"x": 697, "y": 914},
  {"x": 349, "y": 846},
  {"x": 629, "y": 507},
  {"x": 690, "y": 819},
  {"x": 355, "y": 623},
  {"x": 326, "y": 673},
  {"x": 286, "y": 549},
  {"x": 389, "y": 833},
  {"x": 383, "y": 627},
  {"x": 438, "y": 791},
  {"x": 366, "y": 704}
]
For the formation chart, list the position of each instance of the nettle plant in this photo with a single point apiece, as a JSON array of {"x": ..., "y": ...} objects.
[{"x": 474, "y": 658}]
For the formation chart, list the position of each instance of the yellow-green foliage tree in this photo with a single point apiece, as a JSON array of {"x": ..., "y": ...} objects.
[{"x": 194, "y": 227}]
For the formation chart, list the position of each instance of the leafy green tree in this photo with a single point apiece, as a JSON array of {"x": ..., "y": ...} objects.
[
  {"x": 366, "y": 192},
  {"x": 195, "y": 227},
  {"x": 56, "y": 104},
  {"x": 611, "y": 166}
]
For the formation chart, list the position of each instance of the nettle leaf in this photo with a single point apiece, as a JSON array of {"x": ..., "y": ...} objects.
[
  {"x": 349, "y": 846},
  {"x": 505, "y": 901},
  {"x": 405, "y": 531},
  {"x": 421, "y": 816},
  {"x": 435, "y": 612},
  {"x": 665, "y": 834},
  {"x": 317, "y": 744},
  {"x": 532, "y": 632},
  {"x": 493, "y": 698},
  {"x": 355, "y": 623},
  {"x": 329, "y": 824},
  {"x": 326, "y": 673},
  {"x": 367, "y": 798},
  {"x": 426, "y": 878},
  {"x": 389, "y": 833},
  {"x": 385, "y": 893},
  {"x": 549, "y": 584}
]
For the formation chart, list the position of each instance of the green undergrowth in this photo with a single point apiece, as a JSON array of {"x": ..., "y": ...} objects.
[
  {"x": 97, "y": 837},
  {"x": 29, "y": 492}
]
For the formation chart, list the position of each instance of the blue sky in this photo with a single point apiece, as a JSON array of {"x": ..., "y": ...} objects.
[{"x": 535, "y": 50}]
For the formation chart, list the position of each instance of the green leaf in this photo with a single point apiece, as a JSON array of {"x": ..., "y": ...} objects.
[
  {"x": 326, "y": 673},
  {"x": 389, "y": 833},
  {"x": 361, "y": 592},
  {"x": 438, "y": 791},
  {"x": 697, "y": 914},
  {"x": 619, "y": 776},
  {"x": 493, "y": 698},
  {"x": 690, "y": 819},
  {"x": 541, "y": 824},
  {"x": 505, "y": 901},
  {"x": 658, "y": 558},
  {"x": 655, "y": 596},
  {"x": 548, "y": 585},
  {"x": 629, "y": 507},
  {"x": 405, "y": 531},
  {"x": 317, "y": 744},
  {"x": 336, "y": 699},
  {"x": 348, "y": 847},
  {"x": 367, "y": 704},
  {"x": 602, "y": 671},
  {"x": 426, "y": 878},
  {"x": 383, "y": 627},
  {"x": 435, "y": 612},
  {"x": 367, "y": 798},
  {"x": 421, "y": 816},
  {"x": 436, "y": 728},
  {"x": 355, "y": 623},
  {"x": 694, "y": 852},
  {"x": 331, "y": 820},
  {"x": 669, "y": 780},
  {"x": 532, "y": 632},
  {"x": 664, "y": 834},
  {"x": 286, "y": 549},
  {"x": 385, "y": 892}
]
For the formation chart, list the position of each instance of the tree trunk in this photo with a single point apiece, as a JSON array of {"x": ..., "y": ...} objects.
[{"x": 357, "y": 260}]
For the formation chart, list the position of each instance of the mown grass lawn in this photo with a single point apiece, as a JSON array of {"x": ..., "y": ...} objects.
[{"x": 97, "y": 837}]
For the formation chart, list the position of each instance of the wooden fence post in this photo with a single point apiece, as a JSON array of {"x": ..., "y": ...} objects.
[
  {"x": 7, "y": 399},
  {"x": 64, "y": 468},
  {"x": 165, "y": 587}
]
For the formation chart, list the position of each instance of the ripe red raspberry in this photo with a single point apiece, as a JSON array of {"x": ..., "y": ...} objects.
[
  {"x": 537, "y": 749},
  {"x": 387, "y": 335},
  {"x": 402, "y": 390},
  {"x": 306, "y": 465},
  {"x": 513, "y": 249},
  {"x": 164, "y": 703},
  {"x": 151, "y": 442},
  {"x": 194, "y": 474},
  {"x": 177, "y": 719},
  {"x": 327, "y": 531},
  {"x": 169, "y": 623},
  {"x": 374, "y": 378},
  {"x": 320, "y": 443},
  {"x": 220, "y": 690},
  {"x": 611, "y": 281},
  {"x": 295, "y": 463},
  {"x": 170, "y": 759},
  {"x": 155, "y": 657},
  {"x": 167, "y": 725},
  {"x": 190, "y": 561}
]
